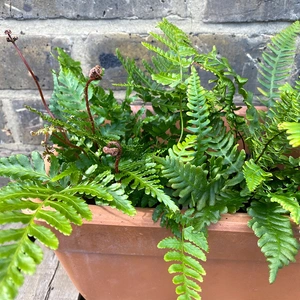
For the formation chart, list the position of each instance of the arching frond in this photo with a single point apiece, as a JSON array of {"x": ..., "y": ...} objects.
[{"x": 276, "y": 63}]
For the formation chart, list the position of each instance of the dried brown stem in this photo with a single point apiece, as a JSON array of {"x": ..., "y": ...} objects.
[
  {"x": 95, "y": 74},
  {"x": 13, "y": 40}
]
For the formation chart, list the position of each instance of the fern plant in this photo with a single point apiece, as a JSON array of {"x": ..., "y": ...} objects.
[{"x": 192, "y": 156}]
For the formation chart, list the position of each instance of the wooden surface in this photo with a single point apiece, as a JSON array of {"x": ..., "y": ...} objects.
[{"x": 50, "y": 282}]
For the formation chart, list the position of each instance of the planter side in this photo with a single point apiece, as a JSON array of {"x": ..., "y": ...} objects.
[{"x": 114, "y": 257}]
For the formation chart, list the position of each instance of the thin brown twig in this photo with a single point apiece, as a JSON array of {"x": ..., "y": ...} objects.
[
  {"x": 13, "y": 40},
  {"x": 95, "y": 74}
]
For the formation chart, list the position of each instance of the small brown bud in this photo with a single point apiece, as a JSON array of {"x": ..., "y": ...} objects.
[
  {"x": 111, "y": 151},
  {"x": 96, "y": 73},
  {"x": 10, "y": 38}
]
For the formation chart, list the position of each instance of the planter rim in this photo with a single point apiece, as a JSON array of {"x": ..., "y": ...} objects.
[{"x": 106, "y": 215}]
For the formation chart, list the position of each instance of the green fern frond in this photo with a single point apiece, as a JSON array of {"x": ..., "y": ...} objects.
[
  {"x": 55, "y": 219},
  {"x": 275, "y": 234},
  {"x": 68, "y": 94},
  {"x": 293, "y": 132},
  {"x": 17, "y": 258},
  {"x": 185, "y": 151},
  {"x": 289, "y": 203},
  {"x": 26, "y": 190},
  {"x": 208, "y": 215},
  {"x": 187, "y": 251},
  {"x": 254, "y": 175},
  {"x": 189, "y": 182},
  {"x": 92, "y": 189},
  {"x": 68, "y": 210},
  {"x": 167, "y": 55},
  {"x": 173, "y": 33},
  {"x": 21, "y": 167},
  {"x": 180, "y": 48},
  {"x": 119, "y": 199},
  {"x": 277, "y": 61},
  {"x": 198, "y": 111},
  {"x": 67, "y": 63},
  {"x": 224, "y": 146},
  {"x": 144, "y": 177},
  {"x": 77, "y": 131},
  {"x": 162, "y": 65},
  {"x": 134, "y": 72},
  {"x": 73, "y": 203},
  {"x": 71, "y": 171},
  {"x": 170, "y": 79},
  {"x": 18, "y": 254}
]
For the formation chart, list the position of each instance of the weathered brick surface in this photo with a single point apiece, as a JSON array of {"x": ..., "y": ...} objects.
[
  {"x": 3, "y": 181},
  {"x": 241, "y": 51},
  {"x": 90, "y": 9},
  {"x": 5, "y": 132},
  {"x": 217, "y": 11},
  {"x": 28, "y": 121},
  {"x": 37, "y": 51},
  {"x": 101, "y": 49}
]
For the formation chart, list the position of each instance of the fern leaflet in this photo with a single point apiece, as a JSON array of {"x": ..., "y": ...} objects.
[
  {"x": 293, "y": 132},
  {"x": 254, "y": 175},
  {"x": 275, "y": 234},
  {"x": 187, "y": 252}
]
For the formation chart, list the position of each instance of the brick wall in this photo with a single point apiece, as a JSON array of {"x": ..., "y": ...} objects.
[{"x": 91, "y": 30}]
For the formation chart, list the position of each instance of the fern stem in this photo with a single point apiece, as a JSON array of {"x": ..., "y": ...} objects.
[
  {"x": 13, "y": 40},
  {"x": 95, "y": 74},
  {"x": 67, "y": 142},
  {"x": 180, "y": 107},
  {"x": 88, "y": 105},
  {"x": 267, "y": 144},
  {"x": 181, "y": 122}
]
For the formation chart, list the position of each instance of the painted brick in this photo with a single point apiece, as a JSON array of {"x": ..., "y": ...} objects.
[
  {"x": 90, "y": 9},
  {"x": 5, "y": 132},
  {"x": 217, "y": 11},
  {"x": 28, "y": 121},
  {"x": 37, "y": 51}
]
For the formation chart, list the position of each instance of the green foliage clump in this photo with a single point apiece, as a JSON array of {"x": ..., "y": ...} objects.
[{"x": 192, "y": 156}]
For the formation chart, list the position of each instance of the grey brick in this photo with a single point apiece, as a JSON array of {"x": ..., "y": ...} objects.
[
  {"x": 28, "y": 121},
  {"x": 37, "y": 51},
  {"x": 242, "y": 52},
  {"x": 90, "y": 9},
  {"x": 217, "y": 11},
  {"x": 3, "y": 181},
  {"x": 5, "y": 132},
  {"x": 101, "y": 49}
]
